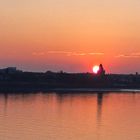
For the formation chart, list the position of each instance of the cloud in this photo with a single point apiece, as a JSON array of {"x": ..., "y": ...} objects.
[
  {"x": 132, "y": 55},
  {"x": 98, "y": 53},
  {"x": 58, "y": 52},
  {"x": 74, "y": 53},
  {"x": 38, "y": 53},
  {"x": 67, "y": 53}
]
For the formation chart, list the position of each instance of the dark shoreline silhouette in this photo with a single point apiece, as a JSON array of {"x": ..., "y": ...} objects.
[{"x": 18, "y": 81}]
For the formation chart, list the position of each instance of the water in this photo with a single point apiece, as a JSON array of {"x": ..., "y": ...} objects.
[{"x": 112, "y": 116}]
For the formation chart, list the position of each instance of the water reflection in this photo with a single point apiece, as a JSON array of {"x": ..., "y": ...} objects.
[
  {"x": 5, "y": 103},
  {"x": 61, "y": 98},
  {"x": 99, "y": 106},
  {"x": 83, "y": 116}
]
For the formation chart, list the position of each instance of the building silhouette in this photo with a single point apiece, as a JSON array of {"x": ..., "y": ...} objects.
[{"x": 101, "y": 71}]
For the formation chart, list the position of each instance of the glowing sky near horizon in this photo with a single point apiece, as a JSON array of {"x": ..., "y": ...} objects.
[{"x": 70, "y": 35}]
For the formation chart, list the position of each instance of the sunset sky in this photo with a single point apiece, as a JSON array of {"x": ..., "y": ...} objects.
[{"x": 70, "y": 35}]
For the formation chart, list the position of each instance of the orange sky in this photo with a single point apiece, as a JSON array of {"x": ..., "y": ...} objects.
[{"x": 70, "y": 35}]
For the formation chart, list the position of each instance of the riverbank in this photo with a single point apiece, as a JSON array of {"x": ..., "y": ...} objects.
[
  {"x": 68, "y": 82},
  {"x": 67, "y": 90}
]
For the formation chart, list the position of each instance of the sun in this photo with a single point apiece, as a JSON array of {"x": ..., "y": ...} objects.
[{"x": 95, "y": 69}]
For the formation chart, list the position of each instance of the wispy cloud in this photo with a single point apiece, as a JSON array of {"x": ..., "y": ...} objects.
[
  {"x": 38, "y": 53},
  {"x": 58, "y": 52},
  {"x": 67, "y": 53},
  {"x": 75, "y": 53},
  {"x": 132, "y": 55},
  {"x": 98, "y": 53}
]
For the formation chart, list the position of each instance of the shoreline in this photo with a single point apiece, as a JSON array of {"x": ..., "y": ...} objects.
[{"x": 69, "y": 90}]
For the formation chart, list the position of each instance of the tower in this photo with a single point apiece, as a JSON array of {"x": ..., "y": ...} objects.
[{"x": 101, "y": 71}]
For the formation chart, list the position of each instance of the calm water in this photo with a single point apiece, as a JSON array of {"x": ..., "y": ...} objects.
[{"x": 86, "y": 116}]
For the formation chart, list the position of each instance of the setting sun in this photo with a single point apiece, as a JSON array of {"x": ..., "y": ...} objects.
[{"x": 95, "y": 69}]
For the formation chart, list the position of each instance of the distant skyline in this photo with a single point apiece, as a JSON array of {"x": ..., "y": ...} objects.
[{"x": 72, "y": 36}]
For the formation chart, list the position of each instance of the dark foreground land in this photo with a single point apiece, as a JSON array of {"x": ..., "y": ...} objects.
[{"x": 50, "y": 81}]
